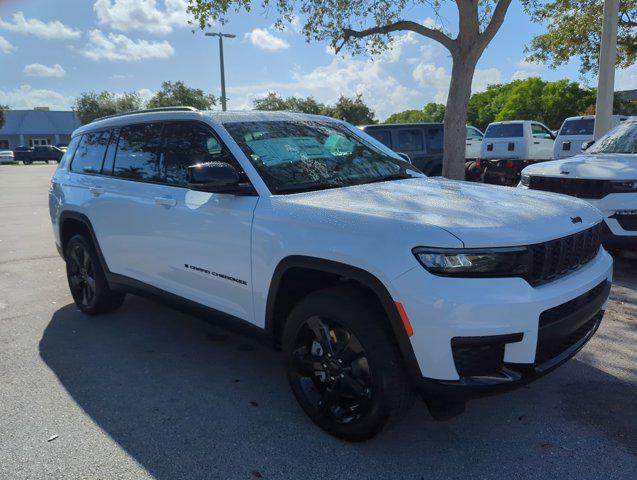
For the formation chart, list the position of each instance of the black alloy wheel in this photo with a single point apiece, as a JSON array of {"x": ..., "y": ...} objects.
[
  {"x": 81, "y": 275},
  {"x": 332, "y": 371}
]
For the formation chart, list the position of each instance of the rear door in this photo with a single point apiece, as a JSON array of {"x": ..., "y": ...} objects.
[
  {"x": 410, "y": 140},
  {"x": 382, "y": 135},
  {"x": 201, "y": 241}
]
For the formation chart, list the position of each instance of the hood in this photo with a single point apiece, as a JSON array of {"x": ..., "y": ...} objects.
[
  {"x": 604, "y": 166},
  {"x": 478, "y": 215}
]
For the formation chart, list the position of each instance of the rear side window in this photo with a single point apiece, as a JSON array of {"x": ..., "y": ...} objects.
[
  {"x": 504, "y": 130},
  {"x": 578, "y": 127},
  {"x": 90, "y": 152},
  {"x": 410, "y": 140},
  {"x": 185, "y": 144},
  {"x": 383, "y": 136},
  {"x": 435, "y": 139},
  {"x": 75, "y": 141},
  {"x": 137, "y": 155}
]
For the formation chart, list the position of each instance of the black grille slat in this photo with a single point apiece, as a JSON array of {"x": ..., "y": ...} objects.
[
  {"x": 575, "y": 187},
  {"x": 556, "y": 258}
]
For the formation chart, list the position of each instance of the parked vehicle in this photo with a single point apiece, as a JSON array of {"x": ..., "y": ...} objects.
[
  {"x": 6, "y": 156},
  {"x": 422, "y": 142},
  {"x": 39, "y": 153},
  {"x": 605, "y": 175},
  {"x": 376, "y": 281},
  {"x": 575, "y": 132},
  {"x": 510, "y": 146}
]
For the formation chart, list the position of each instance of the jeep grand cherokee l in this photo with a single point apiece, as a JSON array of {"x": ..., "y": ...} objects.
[{"x": 376, "y": 281}]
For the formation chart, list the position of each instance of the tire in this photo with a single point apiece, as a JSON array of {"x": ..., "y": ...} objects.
[
  {"x": 86, "y": 278},
  {"x": 355, "y": 390},
  {"x": 46, "y": 161},
  {"x": 26, "y": 162}
]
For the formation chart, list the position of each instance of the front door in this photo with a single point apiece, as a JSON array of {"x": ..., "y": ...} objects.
[{"x": 201, "y": 241}]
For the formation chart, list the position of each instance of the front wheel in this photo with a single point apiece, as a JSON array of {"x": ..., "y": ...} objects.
[
  {"x": 343, "y": 364},
  {"x": 86, "y": 278}
]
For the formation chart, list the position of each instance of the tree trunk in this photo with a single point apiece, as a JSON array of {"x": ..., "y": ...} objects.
[{"x": 456, "y": 116}]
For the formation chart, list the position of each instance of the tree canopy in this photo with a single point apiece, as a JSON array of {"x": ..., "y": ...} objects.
[
  {"x": 2, "y": 109},
  {"x": 574, "y": 29},
  {"x": 353, "y": 110},
  {"x": 432, "y": 112},
  {"x": 91, "y": 105},
  {"x": 534, "y": 99},
  {"x": 177, "y": 94}
]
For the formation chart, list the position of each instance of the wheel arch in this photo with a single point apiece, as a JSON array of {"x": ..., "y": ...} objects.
[
  {"x": 71, "y": 223},
  {"x": 274, "y": 321}
]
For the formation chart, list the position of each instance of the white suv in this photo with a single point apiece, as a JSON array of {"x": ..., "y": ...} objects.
[
  {"x": 575, "y": 132},
  {"x": 510, "y": 146},
  {"x": 376, "y": 281},
  {"x": 605, "y": 175}
]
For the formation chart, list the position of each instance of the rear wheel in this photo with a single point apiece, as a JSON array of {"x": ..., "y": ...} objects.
[
  {"x": 26, "y": 162},
  {"x": 343, "y": 364},
  {"x": 86, "y": 278}
]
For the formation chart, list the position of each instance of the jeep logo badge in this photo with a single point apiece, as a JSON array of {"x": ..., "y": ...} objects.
[{"x": 576, "y": 219}]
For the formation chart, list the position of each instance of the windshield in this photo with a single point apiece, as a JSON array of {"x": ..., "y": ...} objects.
[
  {"x": 621, "y": 139},
  {"x": 578, "y": 127},
  {"x": 504, "y": 130},
  {"x": 297, "y": 156}
]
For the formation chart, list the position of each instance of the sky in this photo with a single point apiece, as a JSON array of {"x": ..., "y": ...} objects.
[{"x": 53, "y": 50}]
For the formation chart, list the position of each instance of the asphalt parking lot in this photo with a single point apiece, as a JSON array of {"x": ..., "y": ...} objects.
[{"x": 148, "y": 392}]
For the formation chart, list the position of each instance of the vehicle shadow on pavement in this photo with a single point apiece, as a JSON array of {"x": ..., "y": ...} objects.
[{"x": 187, "y": 399}]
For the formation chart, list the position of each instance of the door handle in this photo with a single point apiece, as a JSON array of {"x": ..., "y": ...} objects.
[
  {"x": 165, "y": 201},
  {"x": 536, "y": 143},
  {"x": 96, "y": 191}
]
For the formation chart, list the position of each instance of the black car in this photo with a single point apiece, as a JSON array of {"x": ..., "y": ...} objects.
[
  {"x": 40, "y": 153},
  {"x": 423, "y": 142}
]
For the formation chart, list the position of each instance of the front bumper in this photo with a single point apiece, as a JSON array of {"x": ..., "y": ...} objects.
[
  {"x": 476, "y": 336},
  {"x": 620, "y": 229}
]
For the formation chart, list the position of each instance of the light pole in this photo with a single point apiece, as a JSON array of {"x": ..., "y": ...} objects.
[
  {"x": 606, "y": 79},
  {"x": 223, "y": 75}
]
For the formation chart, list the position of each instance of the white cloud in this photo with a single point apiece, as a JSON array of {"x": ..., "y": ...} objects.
[
  {"x": 483, "y": 78},
  {"x": 39, "y": 70},
  {"x": 142, "y": 15},
  {"x": 26, "y": 97},
  {"x": 429, "y": 75},
  {"x": 145, "y": 94},
  {"x": 116, "y": 46},
  {"x": 527, "y": 70},
  {"x": 5, "y": 45},
  {"x": 47, "y": 30},
  {"x": 261, "y": 38}
]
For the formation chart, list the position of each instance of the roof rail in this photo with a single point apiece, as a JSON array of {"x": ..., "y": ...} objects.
[{"x": 149, "y": 110}]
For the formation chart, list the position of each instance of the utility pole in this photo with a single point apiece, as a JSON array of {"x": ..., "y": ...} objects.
[
  {"x": 606, "y": 79},
  {"x": 223, "y": 74}
]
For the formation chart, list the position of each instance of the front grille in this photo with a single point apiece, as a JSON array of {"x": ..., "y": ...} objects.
[
  {"x": 627, "y": 222},
  {"x": 555, "y": 314},
  {"x": 556, "y": 258},
  {"x": 547, "y": 350},
  {"x": 575, "y": 187}
]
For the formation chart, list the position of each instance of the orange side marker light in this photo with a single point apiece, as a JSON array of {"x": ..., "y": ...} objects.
[{"x": 403, "y": 317}]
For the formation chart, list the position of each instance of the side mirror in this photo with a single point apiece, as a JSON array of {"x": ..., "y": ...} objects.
[
  {"x": 215, "y": 177},
  {"x": 586, "y": 145},
  {"x": 404, "y": 156}
]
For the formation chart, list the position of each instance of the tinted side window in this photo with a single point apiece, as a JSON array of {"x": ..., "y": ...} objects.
[
  {"x": 504, "y": 130},
  {"x": 578, "y": 127},
  {"x": 435, "y": 139},
  {"x": 383, "y": 136},
  {"x": 137, "y": 155},
  {"x": 75, "y": 141},
  {"x": 185, "y": 144},
  {"x": 90, "y": 152},
  {"x": 410, "y": 140}
]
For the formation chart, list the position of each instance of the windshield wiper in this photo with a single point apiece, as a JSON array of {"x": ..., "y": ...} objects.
[{"x": 306, "y": 187}]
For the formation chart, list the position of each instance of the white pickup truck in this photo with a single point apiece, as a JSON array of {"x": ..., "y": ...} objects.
[{"x": 510, "y": 146}]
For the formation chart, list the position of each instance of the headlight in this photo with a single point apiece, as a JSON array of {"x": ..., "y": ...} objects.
[
  {"x": 623, "y": 186},
  {"x": 485, "y": 262},
  {"x": 525, "y": 179}
]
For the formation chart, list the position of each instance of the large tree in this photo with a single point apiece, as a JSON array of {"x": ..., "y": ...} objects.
[
  {"x": 274, "y": 102},
  {"x": 352, "y": 110},
  {"x": 368, "y": 25},
  {"x": 432, "y": 112},
  {"x": 574, "y": 29},
  {"x": 177, "y": 94},
  {"x": 535, "y": 99},
  {"x": 91, "y": 105},
  {"x": 2, "y": 109}
]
